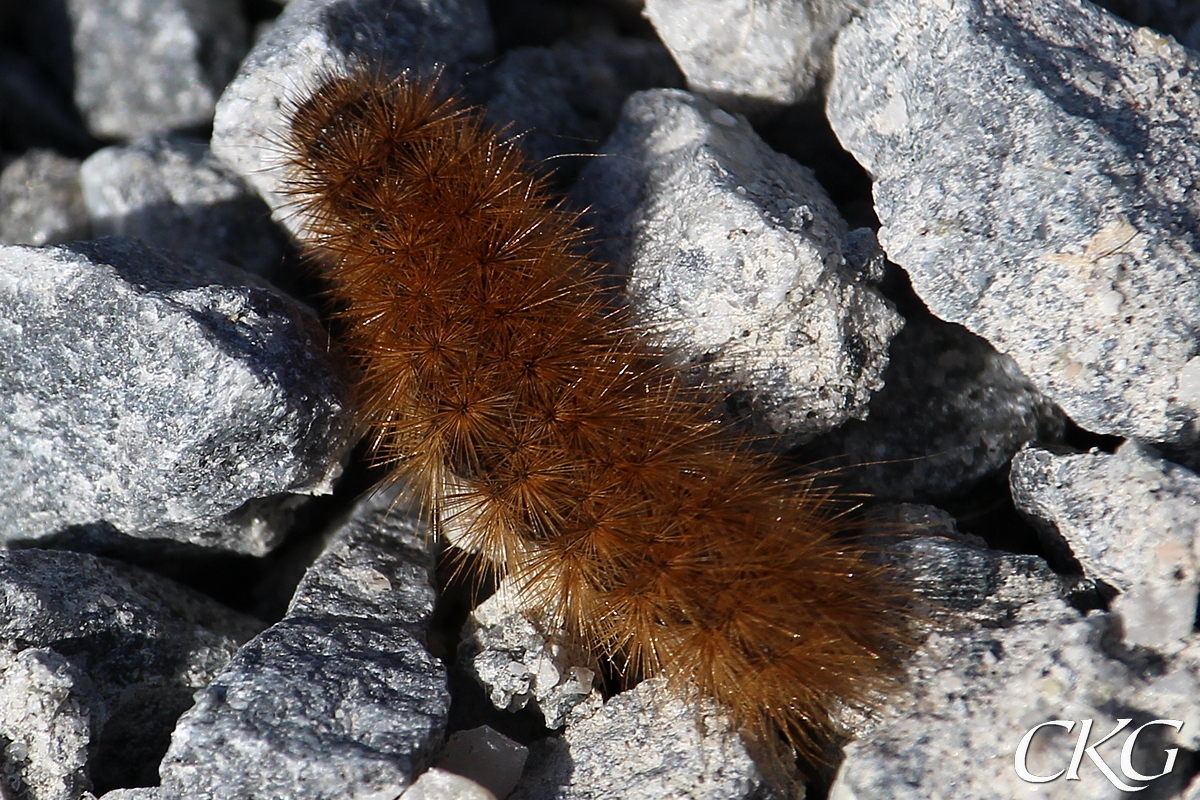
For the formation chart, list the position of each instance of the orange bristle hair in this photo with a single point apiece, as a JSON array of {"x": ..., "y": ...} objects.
[{"x": 544, "y": 427}]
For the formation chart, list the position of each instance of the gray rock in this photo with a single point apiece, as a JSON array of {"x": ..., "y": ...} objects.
[
  {"x": 952, "y": 411},
  {"x": 734, "y": 258},
  {"x": 171, "y": 192},
  {"x": 1034, "y": 164},
  {"x": 956, "y": 578},
  {"x": 313, "y": 38},
  {"x": 751, "y": 54},
  {"x": 40, "y": 200},
  {"x": 648, "y": 743},
  {"x": 339, "y": 699},
  {"x": 1003, "y": 651},
  {"x": 143, "y": 66},
  {"x": 1133, "y": 521},
  {"x": 564, "y": 100},
  {"x": 97, "y": 660},
  {"x": 158, "y": 399},
  {"x": 437, "y": 784},
  {"x": 521, "y": 661},
  {"x": 972, "y": 695},
  {"x": 46, "y": 725},
  {"x": 485, "y": 756}
]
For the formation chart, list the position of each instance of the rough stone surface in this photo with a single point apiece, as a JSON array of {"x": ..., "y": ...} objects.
[
  {"x": 951, "y": 412},
  {"x": 158, "y": 399},
  {"x": 1132, "y": 520},
  {"x": 437, "y": 784},
  {"x": 1002, "y": 652},
  {"x": 750, "y": 54},
  {"x": 144, "y": 66},
  {"x": 973, "y": 695},
  {"x": 97, "y": 660},
  {"x": 957, "y": 579},
  {"x": 566, "y": 99},
  {"x": 312, "y": 38},
  {"x": 646, "y": 742},
  {"x": 338, "y": 700},
  {"x": 519, "y": 662},
  {"x": 40, "y": 200},
  {"x": 733, "y": 254},
  {"x": 171, "y": 192},
  {"x": 1034, "y": 164},
  {"x": 485, "y": 756}
]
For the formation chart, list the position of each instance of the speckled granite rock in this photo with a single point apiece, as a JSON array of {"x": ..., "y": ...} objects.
[
  {"x": 1003, "y": 652},
  {"x": 142, "y": 66},
  {"x": 171, "y": 192},
  {"x": 41, "y": 201},
  {"x": 951, "y": 412},
  {"x": 519, "y": 662},
  {"x": 1060, "y": 225},
  {"x": 1133, "y": 521},
  {"x": 158, "y": 399},
  {"x": 97, "y": 659},
  {"x": 748, "y": 54},
  {"x": 313, "y": 37},
  {"x": 734, "y": 253},
  {"x": 340, "y": 698},
  {"x": 647, "y": 743}
]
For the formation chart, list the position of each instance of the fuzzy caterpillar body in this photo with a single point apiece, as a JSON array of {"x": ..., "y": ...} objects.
[{"x": 539, "y": 421}]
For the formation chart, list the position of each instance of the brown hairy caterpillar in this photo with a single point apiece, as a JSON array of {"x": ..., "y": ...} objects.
[{"x": 543, "y": 424}]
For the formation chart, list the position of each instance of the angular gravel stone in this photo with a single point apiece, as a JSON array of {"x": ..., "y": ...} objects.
[
  {"x": 1132, "y": 520},
  {"x": 519, "y": 662},
  {"x": 171, "y": 192},
  {"x": 1002, "y": 652},
  {"x": 735, "y": 253},
  {"x": 648, "y": 743},
  {"x": 952, "y": 411},
  {"x": 338, "y": 700},
  {"x": 41, "y": 201},
  {"x": 1034, "y": 165},
  {"x": 564, "y": 100},
  {"x": 158, "y": 399},
  {"x": 144, "y": 66},
  {"x": 751, "y": 54},
  {"x": 437, "y": 784},
  {"x": 971, "y": 697},
  {"x": 97, "y": 660},
  {"x": 312, "y": 38},
  {"x": 485, "y": 756}
]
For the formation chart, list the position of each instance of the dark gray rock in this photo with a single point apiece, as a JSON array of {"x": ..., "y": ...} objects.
[
  {"x": 158, "y": 399},
  {"x": 171, "y": 192},
  {"x": 734, "y": 258},
  {"x": 952, "y": 411},
  {"x": 97, "y": 660},
  {"x": 1132, "y": 520},
  {"x": 313, "y": 38},
  {"x": 749, "y": 55},
  {"x": 41, "y": 201},
  {"x": 144, "y": 66},
  {"x": 338, "y": 700},
  {"x": 1034, "y": 165}
]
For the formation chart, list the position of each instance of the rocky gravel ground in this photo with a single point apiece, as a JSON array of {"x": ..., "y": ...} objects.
[{"x": 947, "y": 251}]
